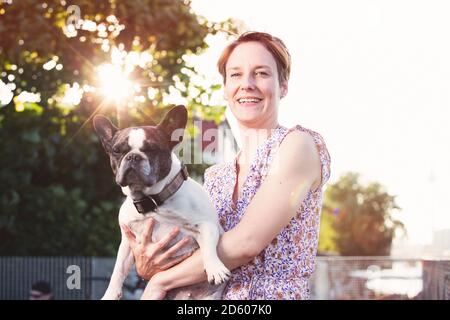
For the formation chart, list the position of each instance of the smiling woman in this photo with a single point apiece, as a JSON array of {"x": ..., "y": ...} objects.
[
  {"x": 266, "y": 67},
  {"x": 269, "y": 198},
  {"x": 254, "y": 108}
]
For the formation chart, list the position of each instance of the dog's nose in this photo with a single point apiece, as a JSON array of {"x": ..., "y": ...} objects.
[{"x": 134, "y": 157}]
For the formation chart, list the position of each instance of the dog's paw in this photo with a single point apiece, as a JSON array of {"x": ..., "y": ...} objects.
[
  {"x": 217, "y": 273},
  {"x": 109, "y": 295}
]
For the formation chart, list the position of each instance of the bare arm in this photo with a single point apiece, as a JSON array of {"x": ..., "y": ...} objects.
[{"x": 296, "y": 170}]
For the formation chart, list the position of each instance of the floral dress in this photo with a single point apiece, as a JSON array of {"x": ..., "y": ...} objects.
[{"x": 281, "y": 270}]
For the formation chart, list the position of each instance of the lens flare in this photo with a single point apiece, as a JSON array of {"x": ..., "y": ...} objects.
[{"x": 114, "y": 84}]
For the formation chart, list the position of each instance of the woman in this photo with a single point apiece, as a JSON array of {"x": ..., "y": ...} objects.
[{"x": 269, "y": 199}]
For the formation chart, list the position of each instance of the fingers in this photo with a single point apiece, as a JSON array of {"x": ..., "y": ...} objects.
[
  {"x": 177, "y": 260},
  {"x": 179, "y": 245},
  {"x": 148, "y": 231},
  {"x": 129, "y": 234},
  {"x": 173, "y": 250},
  {"x": 169, "y": 237}
]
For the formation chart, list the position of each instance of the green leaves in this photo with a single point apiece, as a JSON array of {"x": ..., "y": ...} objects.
[
  {"x": 31, "y": 136},
  {"x": 58, "y": 195},
  {"x": 358, "y": 220}
]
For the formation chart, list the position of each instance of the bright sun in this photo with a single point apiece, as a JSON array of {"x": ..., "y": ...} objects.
[{"x": 114, "y": 84}]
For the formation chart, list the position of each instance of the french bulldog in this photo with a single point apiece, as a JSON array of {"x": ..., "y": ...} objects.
[{"x": 156, "y": 184}]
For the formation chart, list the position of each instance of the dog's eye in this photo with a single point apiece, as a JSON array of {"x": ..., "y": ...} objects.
[
  {"x": 116, "y": 149},
  {"x": 149, "y": 148}
]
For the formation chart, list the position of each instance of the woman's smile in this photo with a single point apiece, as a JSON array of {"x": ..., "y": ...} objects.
[
  {"x": 252, "y": 87},
  {"x": 249, "y": 101}
]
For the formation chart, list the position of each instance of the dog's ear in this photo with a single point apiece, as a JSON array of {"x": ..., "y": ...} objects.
[
  {"x": 174, "y": 123},
  {"x": 105, "y": 131}
]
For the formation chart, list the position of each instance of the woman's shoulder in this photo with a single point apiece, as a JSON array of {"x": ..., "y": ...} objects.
[
  {"x": 300, "y": 130},
  {"x": 299, "y": 134},
  {"x": 308, "y": 139}
]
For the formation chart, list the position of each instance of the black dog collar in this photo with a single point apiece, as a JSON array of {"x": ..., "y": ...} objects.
[{"x": 151, "y": 202}]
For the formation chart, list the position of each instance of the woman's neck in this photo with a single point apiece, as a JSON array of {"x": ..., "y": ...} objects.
[{"x": 251, "y": 139}]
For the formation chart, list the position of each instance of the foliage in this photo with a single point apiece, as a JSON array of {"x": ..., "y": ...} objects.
[
  {"x": 57, "y": 195},
  {"x": 362, "y": 218},
  {"x": 327, "y": 234}
]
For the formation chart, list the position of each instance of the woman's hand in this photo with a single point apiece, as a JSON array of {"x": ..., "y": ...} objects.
[{"x": 150, "y": 257}]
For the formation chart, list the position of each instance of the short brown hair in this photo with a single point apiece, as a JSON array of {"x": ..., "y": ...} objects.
[{"x": 273, "y": 44}]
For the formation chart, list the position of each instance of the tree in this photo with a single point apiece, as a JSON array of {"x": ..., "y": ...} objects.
[
  {"x": 327, "y": 234},
  {"x": 57, "y": 195},
  {"x": 362, "y": 221}
]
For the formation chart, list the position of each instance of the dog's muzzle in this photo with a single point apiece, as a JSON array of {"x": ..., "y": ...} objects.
[
  {"x": 131, "y": 172},
  {"x": 133, "y": 158}
]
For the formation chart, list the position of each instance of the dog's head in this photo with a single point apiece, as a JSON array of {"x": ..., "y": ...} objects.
[{"x": 141, "y": 156}]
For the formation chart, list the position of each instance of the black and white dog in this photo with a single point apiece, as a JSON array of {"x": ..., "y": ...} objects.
[{"x": 157, "y": 185}]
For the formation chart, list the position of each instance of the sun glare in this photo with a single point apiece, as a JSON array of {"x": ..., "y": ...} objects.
[{"x": 114, "y": 84}]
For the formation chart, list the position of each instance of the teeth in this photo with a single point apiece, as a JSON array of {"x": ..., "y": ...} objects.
[{"x": 249, "y": 100}]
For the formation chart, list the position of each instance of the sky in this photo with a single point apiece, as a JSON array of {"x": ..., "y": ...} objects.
[{"x": 373, "y": 78}]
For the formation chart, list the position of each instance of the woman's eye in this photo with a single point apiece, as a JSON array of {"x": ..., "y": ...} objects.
[
  {"x": 262, "y": 73},
  {"x": 233, "y": 75}
]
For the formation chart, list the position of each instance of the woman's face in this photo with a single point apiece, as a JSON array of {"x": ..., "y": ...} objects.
[{"x": 252, "y": 88}]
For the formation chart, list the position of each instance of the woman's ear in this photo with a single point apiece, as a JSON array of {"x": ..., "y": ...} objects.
[{"x": 284, "y": 89}]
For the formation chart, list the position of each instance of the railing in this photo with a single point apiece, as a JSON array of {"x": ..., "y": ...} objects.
[
  {"x": 342, "y": 278},
  {"x": 86, "y": 278},
  {"x": 17, "y": 274}
]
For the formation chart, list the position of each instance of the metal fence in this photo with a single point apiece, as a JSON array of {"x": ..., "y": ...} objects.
[
  {"x": 367, "y": 278},
  {"x": 17, "y": 274},
  {"x": 436, "y": 279},
  {"x": 335, "y": 278}
]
